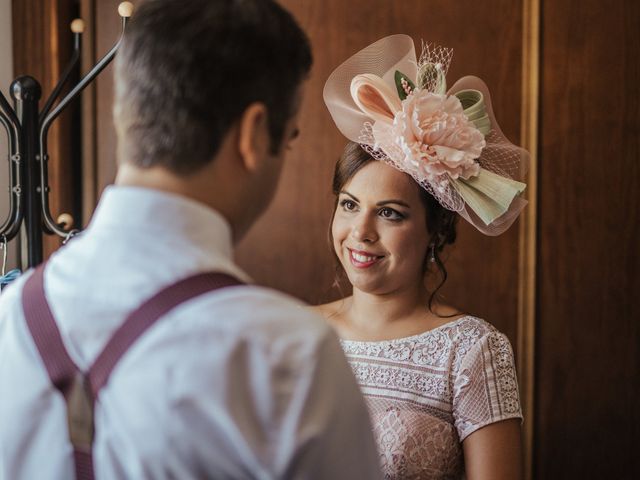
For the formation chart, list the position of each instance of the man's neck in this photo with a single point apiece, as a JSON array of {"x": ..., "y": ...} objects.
[{"x": 201, "y": 187}]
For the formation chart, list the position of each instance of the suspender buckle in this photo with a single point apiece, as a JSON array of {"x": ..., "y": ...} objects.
[{"x": 80, "y": 413}]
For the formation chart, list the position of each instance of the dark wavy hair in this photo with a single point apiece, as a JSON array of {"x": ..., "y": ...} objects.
[{"x": 441, "y": 223}]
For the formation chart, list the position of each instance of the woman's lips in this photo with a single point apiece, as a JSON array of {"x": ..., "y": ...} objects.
[{"x": 362, "y": 259}]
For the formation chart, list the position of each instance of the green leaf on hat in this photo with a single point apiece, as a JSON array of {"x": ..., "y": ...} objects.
[{"x": 403, "y": 86}]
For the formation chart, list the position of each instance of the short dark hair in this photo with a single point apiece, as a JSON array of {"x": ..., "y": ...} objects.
[
  {"x": 441, "y": 223},
  {"x": 188, "y": 69}
]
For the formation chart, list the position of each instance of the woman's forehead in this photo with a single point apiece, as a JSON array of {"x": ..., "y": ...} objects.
[{"x": 377, "y": 179}]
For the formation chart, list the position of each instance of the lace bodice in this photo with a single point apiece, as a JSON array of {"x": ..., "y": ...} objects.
[{"x": 428, "y": 392}]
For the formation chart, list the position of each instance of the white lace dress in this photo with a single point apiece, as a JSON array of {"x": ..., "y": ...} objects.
[{"x": 426, "y": 393}]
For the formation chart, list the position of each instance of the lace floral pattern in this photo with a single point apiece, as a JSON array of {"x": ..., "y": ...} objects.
[{"x": 428, "y": 392}]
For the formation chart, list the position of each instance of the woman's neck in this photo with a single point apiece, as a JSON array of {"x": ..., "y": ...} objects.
[{"x": 379, "y": 313}]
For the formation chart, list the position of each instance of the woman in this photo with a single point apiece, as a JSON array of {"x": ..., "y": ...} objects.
[{"x": 441, "y": 386}]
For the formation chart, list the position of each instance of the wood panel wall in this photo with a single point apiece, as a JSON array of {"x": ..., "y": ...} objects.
[{"x": 588, "y": 357}]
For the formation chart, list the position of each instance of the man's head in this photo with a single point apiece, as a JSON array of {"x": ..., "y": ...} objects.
[{"x": 192, "y": 73}]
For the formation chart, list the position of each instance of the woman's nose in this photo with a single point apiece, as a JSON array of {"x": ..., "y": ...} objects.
[{"x": 363, "y": 230}]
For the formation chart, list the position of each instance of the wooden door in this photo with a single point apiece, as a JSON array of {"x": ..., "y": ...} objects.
[{"x": 588, "y": 358}]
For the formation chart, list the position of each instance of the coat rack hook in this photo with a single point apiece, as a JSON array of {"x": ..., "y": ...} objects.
[
  {"x": 125, "y": 10},
  {"x": 77, "y": 27}
]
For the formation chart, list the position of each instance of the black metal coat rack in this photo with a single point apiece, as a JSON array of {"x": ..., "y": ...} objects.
[{"x": 27, "y": 130}]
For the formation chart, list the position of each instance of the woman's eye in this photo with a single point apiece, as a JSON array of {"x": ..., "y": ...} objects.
[
  {"x": 391, "y": 214},
  {"x": 348, "y": 205}
]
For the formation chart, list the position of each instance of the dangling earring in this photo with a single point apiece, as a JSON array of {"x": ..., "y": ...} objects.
[{"x": 432, "y": 255}]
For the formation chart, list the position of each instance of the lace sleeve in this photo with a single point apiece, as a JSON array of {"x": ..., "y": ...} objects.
[{"x": 485, "y": 388}]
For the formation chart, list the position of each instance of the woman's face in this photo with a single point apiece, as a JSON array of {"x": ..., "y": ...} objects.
[{"x": 379, "y": 230}]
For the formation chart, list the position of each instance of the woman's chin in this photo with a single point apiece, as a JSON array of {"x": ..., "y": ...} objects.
[{"x": 372, "y": 286}]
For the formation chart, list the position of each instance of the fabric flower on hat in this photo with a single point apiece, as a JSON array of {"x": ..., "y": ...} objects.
[{"x": 436, "y": 137}]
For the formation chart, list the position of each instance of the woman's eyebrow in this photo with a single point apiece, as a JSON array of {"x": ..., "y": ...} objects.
[
  {"x": 381, "y": 203},
  {"x": 344, "y": 192}
]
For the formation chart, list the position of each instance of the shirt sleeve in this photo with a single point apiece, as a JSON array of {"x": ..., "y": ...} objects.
[
  {"x": 333, "y": 434},
  {"x": 486, "y": 388}
]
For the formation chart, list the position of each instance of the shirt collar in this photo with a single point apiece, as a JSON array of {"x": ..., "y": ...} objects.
[{"x": 167, "y": 215}]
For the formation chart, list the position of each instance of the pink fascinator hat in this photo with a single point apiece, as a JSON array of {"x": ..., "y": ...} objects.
[{"x": 398, "y": 108}]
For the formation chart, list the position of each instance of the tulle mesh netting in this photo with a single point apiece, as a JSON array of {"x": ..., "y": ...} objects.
[
  {"x": 432, "y": 79},
  {"x": 499, "y": 156},
  {"x": 381, "y": 58}
]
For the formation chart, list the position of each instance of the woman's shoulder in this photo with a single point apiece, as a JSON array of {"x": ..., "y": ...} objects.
[
  {"x": 332, "y": 310},
  {"x": 473, "y": 327},
  {"x": 333, "y": 313},
  {"x": 471, "y": 333}
]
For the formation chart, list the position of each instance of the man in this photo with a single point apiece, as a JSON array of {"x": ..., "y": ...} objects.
[{"x": 239, "y": 382}]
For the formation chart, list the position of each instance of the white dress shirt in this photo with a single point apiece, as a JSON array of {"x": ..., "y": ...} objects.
[{"x": 239, "y": 383}]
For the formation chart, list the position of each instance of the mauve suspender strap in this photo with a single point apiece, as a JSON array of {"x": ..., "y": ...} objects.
[
  {"x": 61, "y": 369},
  {"x": 80, "y": 391}
]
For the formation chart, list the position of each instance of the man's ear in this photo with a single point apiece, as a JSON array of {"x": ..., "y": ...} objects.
[{"x": 253, "y": 135}]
